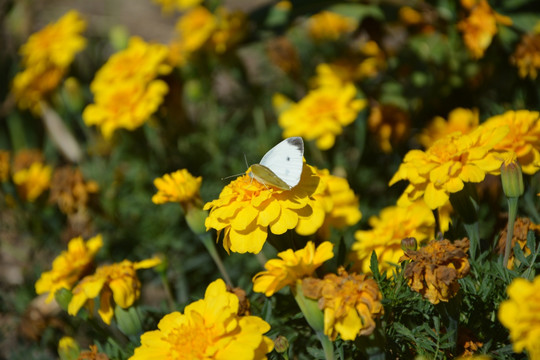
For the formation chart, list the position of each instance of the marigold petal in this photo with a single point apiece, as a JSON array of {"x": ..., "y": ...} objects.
[
  {"x": 106, "y": 310},
  {"x": 249, "y": 240},
  {"x": 434, "y": 197}
]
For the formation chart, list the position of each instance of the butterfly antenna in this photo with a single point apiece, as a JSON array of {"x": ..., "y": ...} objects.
[
  {"x": 231, "y": 176},
  {"x": 245, "y": 159}
]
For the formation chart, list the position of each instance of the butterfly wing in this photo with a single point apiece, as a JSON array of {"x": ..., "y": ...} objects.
[{"x": 285, "y": 160}]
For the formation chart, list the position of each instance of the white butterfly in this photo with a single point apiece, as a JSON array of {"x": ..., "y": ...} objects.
[{"x": 282, "y": 165}]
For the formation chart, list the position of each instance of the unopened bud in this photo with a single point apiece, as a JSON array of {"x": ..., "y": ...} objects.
[
  {"x": 511, "y": 176},
  {"x": 409, "y": 244},
  {"x": 281, "y": 344}
]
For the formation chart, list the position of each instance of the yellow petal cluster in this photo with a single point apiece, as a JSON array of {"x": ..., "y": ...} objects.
[
  {"x": 393, "y": 224},
  {"x": 69, "y": 266},
  {"x": 351, "y": 303},
  {"x": 527, "y": 56},
  {"x": 45, "y": 58},
  {"x": 450, "y": 162},
  {"x": 459, "y": 120},
  {"x": 209, "y": 328},
  {"x": 322, "y": 114},
  {"x": 126, "y": 89},
  {"x": 480, "y": 26},
  {"x": 328, "y": 25},
  {"x": 390, "y": 124},
  {"x": 168, "y": 6},
  {"x": 291, "y": 266},
  {"x": 339, "y": 202},
  {"x": 179, "y": 186},
  {"x": 434, "y": 269},
  {"x": 246, "y": 210},
  {"x": 521, "y": 315},
  {"x": 33, "y": 181},
  {"x": 117, "y": 282},
  {"x": 523, "y": 138}
]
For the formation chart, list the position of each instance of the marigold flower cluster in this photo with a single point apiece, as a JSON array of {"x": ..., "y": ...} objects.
[
  {"x": 521, "y": 316},
  {"x": 30, "y": 174},
  {"x": 292, "y": 266},
  {"x": 459, "y": 120},
  {"x": 246, "y": 210},
  {"x": 70, "y": 191},
  {"x": 209, "y": 328},
  {"x": 46, "y": 57},
  {"x": 179, "y": 186},
  {"x": 327, "y": 25},
  {"x": 126, "y": 89},
  {"x": 351, "y": 303},
  {"x": 522, "y": 226},
  {"x": 434, "y": 269},
  {"x": 527, "y": 56}
]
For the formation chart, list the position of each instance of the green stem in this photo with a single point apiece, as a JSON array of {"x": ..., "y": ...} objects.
[
  {"x": 512, "y": 213},
  {"x": 328, "y": 346},
  {"x": 168, "y": 292},
  {"x": 211, "y": 248}
]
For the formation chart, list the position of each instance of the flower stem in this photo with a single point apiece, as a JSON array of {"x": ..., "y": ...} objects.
[
  {"x": 211, "y": 248},
  {"x": 512, "y": 212},
  {"x": 327, "y": 345}
]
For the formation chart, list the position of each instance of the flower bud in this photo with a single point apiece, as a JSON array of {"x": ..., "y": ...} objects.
[
  {"x": 281, "y": 344},
  {"x": 409, "y": 244},
  {"x": 511, "y": 176},
  {"x": 68, "y": 349}
]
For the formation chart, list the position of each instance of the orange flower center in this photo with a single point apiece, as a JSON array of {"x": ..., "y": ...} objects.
[{"x": 191, "y": 340}]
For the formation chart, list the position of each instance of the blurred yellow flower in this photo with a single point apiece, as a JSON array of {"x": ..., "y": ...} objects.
[
  {"x": 390, "y": 125},
  {"x": 209, "y": 328},
  {"x": 480, "y": 26},
  {"x": 168, "y": 6},
  {"x": 322, "y": 114},
  {"x": 393, "y": 224},
  {"x": 450, "y": 162},
  {"x": 351, "y": 303},
  {"x": 116, "y": 282},
  {"x": 523, "y": 138},
  {"x": 230, "y": 29},
  {"x": 70, "y": 191},
  {"x": 179, "y": 186},
  {"x": 459, "y": 120},
  {"x": 45, "y": 58},
  {"x": 521, "y": 316},
  {"x": 527, "y": 56},
  {"x": 69, "y": 266},
  {"x": 68, "y": 349},
  {"x": 339, "y": 202},
  {"x": 246, "y": 210},
  {"x": 292, "y": 266},
  {"x": 4, "y": 165},
  {"x": 328, "y": 25},
  {"x": 33, "y": 181},
  {"x": 434, "y": 269},
  {"x": 195, "y": 28}
]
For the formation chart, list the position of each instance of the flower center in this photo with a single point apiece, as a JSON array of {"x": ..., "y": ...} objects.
[{"x": 191, "y": 340}]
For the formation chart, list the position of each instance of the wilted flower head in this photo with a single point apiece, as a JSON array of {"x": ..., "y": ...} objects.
[
  {"x": 118, "y": 282},
  {"x": 527, "y": 56},
  {"x": 351, "y": 303},
  {"x": 209, "y": 328},
  {"x": 179, "y": 186},
  {"x": 523, "y": 137},
  {"x": 434, "y": 269},
  {"x": 328, "y": 25},
  {"x": 459, "y": 120},
  {"x": 322, "y": 114},
  {"x": 69, "y": 266},
  {"x": 390, "y": 125},
  {"x": 522, "y": 226},
  {"x": 450, "y": 162},
  {"x": 292, "y": 266},
  {"x": 521, "y": 316},
  {"x": 70, "y": 191},
  {"x": 246, "y": 210},
  {"x": 283, "y": 54}
]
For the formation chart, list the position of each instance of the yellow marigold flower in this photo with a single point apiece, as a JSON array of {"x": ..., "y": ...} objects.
[
  {"x": 522, "y": 226},
  {"x": 195, "y": 28},
  {"x": 527, "y": 56},
  {"x": 292, "y": 266},
  {"x": 247, "y": 209},
  {"x": 480, "y": 26},
  {"x": 520, "y": 315},
  {"x": 33, "y": 181},
  {"x": 339, "y": 202},
  {"x": 328, "y": 25},
  {"x": 390, "y": 124},
  {"x": 168, "y": 6},
  {"x": 322, "y": 114},
  {"x": 523, "y": 138},
  {"x": 410, "y": 16},
  {"x": 230, "y": 29},
  {"x": 70, "y": 191},
  {"x": 434, "y": 269},
  {"x": 179, "y": 186},
  {"x": 4, "y": 165},
  {"x": 116, "y": 282},
  {"x": 393, "y": 224},
  {"x": 69, "y": 266},
  {"x": 351, "y": 302},
  {"x": 31, "y": 85},
  {"x": 209, "y": 328},
  {"x": 459, "y": 120},
  {"x": 450, "y": 162}
]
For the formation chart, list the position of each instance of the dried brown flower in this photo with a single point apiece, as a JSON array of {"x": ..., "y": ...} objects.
[{"x": 522, "y": 226}]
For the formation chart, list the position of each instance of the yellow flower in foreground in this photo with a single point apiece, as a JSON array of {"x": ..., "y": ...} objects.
[
  {"x": 523, "y": 138},
  {"x": 328, "y": 25},
  {"x": 33, "y": 181},
  {"x": 459, "y": 120},
  {"x": 246, "y": 210},
  {"x": 480, "y": 26},
  {"x": 209, "y": 328},
  {"x": 116, "y": 282},
  {"x": 339, "y": 202},
  {"x": 351, "y": 302},
  {"x": 322, "y": 114},
  {"x": 450, "y": 162},
  {"x": 179, "y": 186},
  {"x": 46, "y": 57},
  {"x": 69, "y": 266},
  {"x": 292, "y": 266},
  {"x": 434, "y": 269},
  {"x": 521, "y": 315},
  {"x": 527, "y": 56}
]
